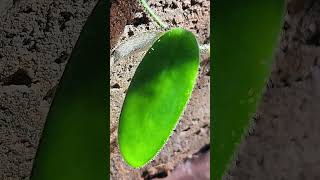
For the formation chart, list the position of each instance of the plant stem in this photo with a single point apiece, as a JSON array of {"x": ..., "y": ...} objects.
[{"x": 153, "y": 15}]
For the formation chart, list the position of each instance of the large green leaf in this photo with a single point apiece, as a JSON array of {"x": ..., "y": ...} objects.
[
  {"x": 244, "y": 39},
  {"x": 75, "y": 140},
  {"x": 157, "y": 96}
]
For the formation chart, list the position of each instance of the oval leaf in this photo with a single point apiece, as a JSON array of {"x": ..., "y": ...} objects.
[
  {"x": 74, "y": 141},
  {"x": 157, "y": 96},
  {"x": 245, "y": 36}
]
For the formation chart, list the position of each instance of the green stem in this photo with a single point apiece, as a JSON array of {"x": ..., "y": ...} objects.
[{"x": 153, "y": 15}]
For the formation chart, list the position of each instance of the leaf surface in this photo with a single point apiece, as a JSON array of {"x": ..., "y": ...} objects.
[
  {"x": 245, "y": 35},
  {"x": 157, "y": 96},
  {"x": 74, "y": 143}
]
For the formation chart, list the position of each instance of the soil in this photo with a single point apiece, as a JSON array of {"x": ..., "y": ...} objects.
[{"x": 121, "y": 13}]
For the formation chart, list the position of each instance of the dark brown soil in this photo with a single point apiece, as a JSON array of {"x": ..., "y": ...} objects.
[{"x": 121, "y": 13}]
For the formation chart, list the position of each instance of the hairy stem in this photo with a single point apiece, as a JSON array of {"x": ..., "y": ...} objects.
[{"x": 153, "y": 15}]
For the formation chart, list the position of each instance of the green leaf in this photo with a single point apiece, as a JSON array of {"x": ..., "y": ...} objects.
[
  {"x": 245, "y": 35},
  {"x": 157, "y": 96},
  {"x": 74, "y": 142}
]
